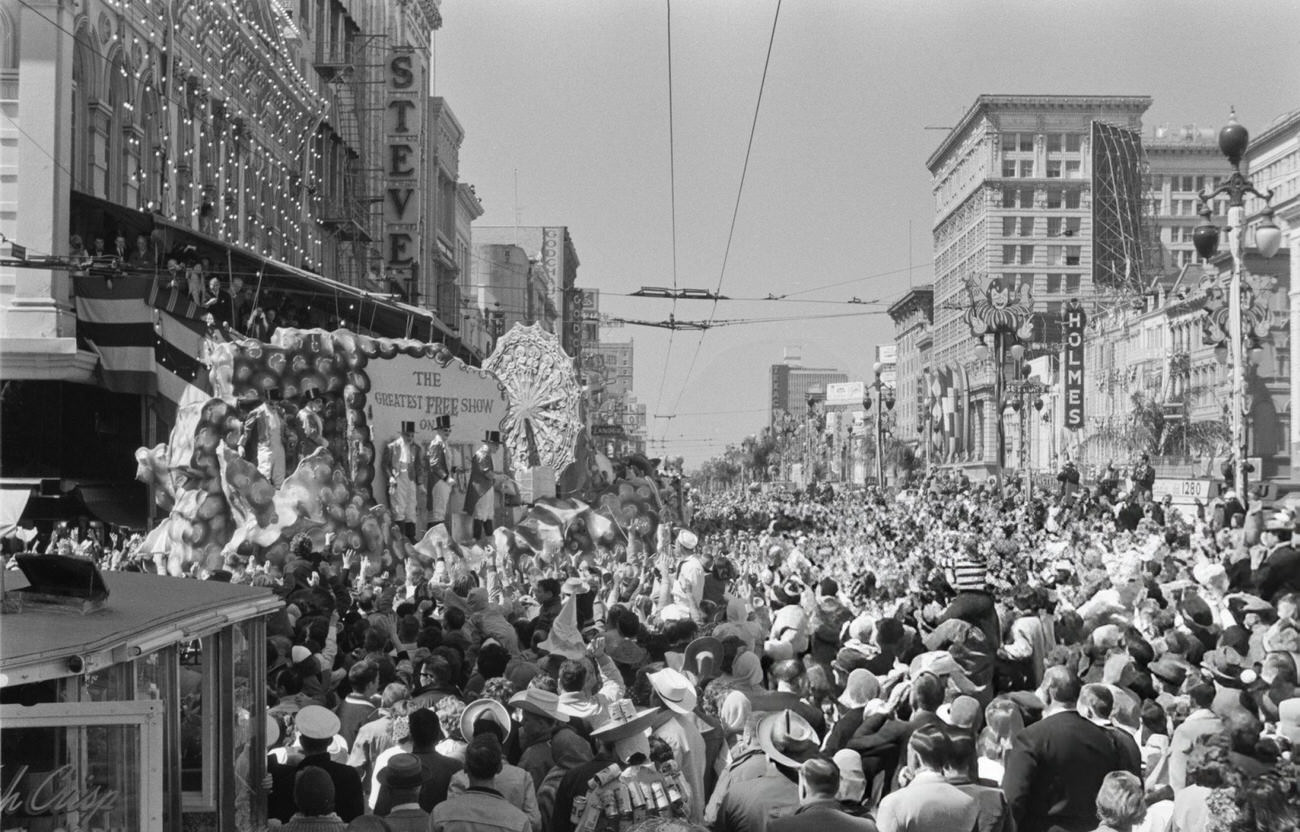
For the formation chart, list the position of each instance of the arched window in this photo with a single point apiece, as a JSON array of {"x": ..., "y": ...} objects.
[
  {"x": 84, "y": 91},
  {"x": 8, "y": 42},
  {"x": 150, "y": 149}
]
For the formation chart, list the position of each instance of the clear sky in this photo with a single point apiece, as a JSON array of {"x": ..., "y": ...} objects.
[{"x": 573, "y": 94}]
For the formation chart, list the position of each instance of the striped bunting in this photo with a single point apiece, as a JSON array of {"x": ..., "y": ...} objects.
[
  {"x": 177, "y": 347},
  {"x": 117, "y": 325}
]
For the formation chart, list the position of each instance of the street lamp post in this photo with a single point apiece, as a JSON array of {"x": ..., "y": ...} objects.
[
  {"x": 1004, "y": 311},
  {"x": 1233, "y": 141},
  {"x": 884, "y": 401}
]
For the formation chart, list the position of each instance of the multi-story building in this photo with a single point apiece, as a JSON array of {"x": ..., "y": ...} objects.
[
  {"x": 511, "y": 287},
  {"x": 913, "y": 315},
  {"x": 475, "y": 333},
  {"x": 557, "y": 259},
  {"x": 790, "y": 386},
  {"x": 1273, "y": 160},
  {"x": 1035, "y": 191},
  {"x": 1181, "y": 162}
]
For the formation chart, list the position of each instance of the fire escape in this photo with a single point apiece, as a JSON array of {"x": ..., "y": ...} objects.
[{"x": 353, "y": 72}]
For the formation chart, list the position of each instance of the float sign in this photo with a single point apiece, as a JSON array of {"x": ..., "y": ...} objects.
[{"x": 1074, "y": 320}]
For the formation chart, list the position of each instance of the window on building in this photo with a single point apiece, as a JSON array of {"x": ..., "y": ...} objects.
[
  {"x": 1026, "y": 255},
  {"x": 1026, "y": 197},
  {"x": 1009, "y": 169},
  {"x": 1026, "y": 168},
  {"x": 1008, "y": 255},
  {"x": 1073, "y": 283},
  {"x": 1073, "y": 142},
  {"x": 1008, "y": 226},
  {"x": 1054, "y": 281},
  {"x": 1026, "y": 226},
  {"x": 1073, "y": 226},
  {"x": 1072, "y": 254},
  {"x": 1009, "y": 197},
  {"x": 1026, "y": 142},
  {"x": 1056, "y": 255},
  {"x": 1054, "y": 308},
  {"x": 1053, "y": 169},
  {"x": 1055, "y": 142},
  {"x": 1055, "y": 197},
  {"x": 1072, "y": 199},
  {"x": 1054, "y": 226},
  {"x": 1074, "y": 170}
]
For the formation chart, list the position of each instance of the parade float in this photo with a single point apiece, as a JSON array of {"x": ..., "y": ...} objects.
[{"x": 336, "y": 404}]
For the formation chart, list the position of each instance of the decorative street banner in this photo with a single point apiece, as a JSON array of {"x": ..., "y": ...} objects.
[{"x": 1074, "y": 320}]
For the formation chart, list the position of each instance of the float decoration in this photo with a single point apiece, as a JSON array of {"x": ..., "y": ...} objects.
[{"x": 543, "y": 417}]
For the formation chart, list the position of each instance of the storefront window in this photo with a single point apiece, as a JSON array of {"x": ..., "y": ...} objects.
[
  {"x": 248, "y": 702},
  {"x": 82, "y": 766},
  {"x": 150, "y": 678}
]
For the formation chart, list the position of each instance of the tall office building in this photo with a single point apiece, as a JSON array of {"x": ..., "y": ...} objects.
[
  {"x": 1044, "y": 192},
  {"x": 790, "y": 387}
]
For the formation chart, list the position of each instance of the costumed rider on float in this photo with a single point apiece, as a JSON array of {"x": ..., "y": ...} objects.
[{"x": 682, "y": 593}]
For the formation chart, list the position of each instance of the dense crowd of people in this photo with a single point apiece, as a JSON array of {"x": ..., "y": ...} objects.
[{"x": 946, "y": 658}]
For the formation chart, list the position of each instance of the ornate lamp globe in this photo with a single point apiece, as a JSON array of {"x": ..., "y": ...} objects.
[
  {"x": 1268, "y": 237},
  {"x": 1206, "y": 235},
  {"x": 1233, "y": 139}
]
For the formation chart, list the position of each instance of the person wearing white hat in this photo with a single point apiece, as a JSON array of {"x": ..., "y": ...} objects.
[
  {"x": 688, "y": 586},
  {"x": 317, "y": 727},
  {"x": 490, "y": 717},
  {"x": 680, "y": 729}
]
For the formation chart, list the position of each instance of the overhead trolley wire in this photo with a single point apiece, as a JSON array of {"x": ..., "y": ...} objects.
[{"x": 735, "y": 212}]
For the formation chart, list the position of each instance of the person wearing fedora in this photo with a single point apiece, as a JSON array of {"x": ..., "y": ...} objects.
[
  {"x": 403, "y": 469},
  {"x": 480, "y": 496},
  {"x": 439, "y": 473},
  {"x": 540, "y": 722},
  {"x": 789, "y": 741},
  {"x": 679, "y": 728},
  {"x": 403, "y": 777}
]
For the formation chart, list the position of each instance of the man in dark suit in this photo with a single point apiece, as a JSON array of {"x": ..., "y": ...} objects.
[
  {"x": 819, "y": 811},
  {"x": 316, "y": 729},
  {"x": 1055, "y": 767}
]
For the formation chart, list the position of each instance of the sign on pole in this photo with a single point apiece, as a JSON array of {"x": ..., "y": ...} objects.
[
  {"x": 846, "y": 392},
  {"x": 1075, "y": 319}
]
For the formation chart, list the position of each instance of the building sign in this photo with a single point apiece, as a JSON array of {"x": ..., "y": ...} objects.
[
  {"x": 1181, "y": 491},
  {"x": 1074, "y": 320},
  {"x": 405, "y": 96},
  {"x": 887, "y": 353},
  {"x": 847, "y": 392}
]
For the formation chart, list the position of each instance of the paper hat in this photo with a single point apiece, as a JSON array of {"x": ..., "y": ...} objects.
[
  {"x": 408, "y": 427},
  {"x": 539, "y": 702},
  {"x": 688, "y": 540},
  {"x": 480, "y": 708},
  {"x": 317, "y": 723},
  {"x": 492, "y": 437},
  {"x": 442, "y": 422},
  {"x": 299, "y": 654},
  {"x": 565, "y": 639},
  {"x": 674, "y": 689},
  {"x": 787, "y": 738}
]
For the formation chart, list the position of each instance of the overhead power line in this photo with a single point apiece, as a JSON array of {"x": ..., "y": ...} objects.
[{"x": 735, "y": 212}]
